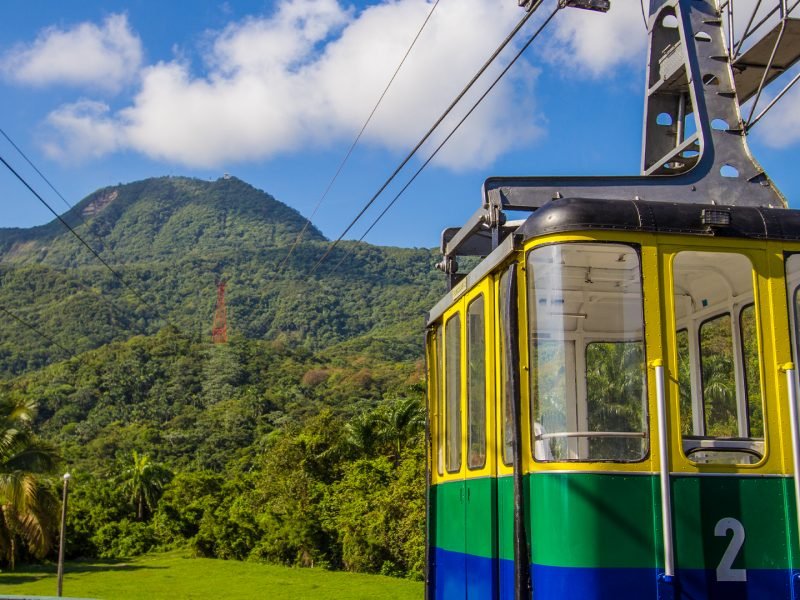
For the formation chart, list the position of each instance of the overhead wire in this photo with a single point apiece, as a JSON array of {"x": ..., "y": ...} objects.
[
  {"x": 78, "y": 214},
  {"x": 357, "y": 139},
  {"x": 35, "y": 168},
  {"x": 430, "y": 132},
  {"x": 32, "y": 327},
  {"x": 644, "y": 17},
  {"x": 105, "y": 263},
  {"x": 80, "y": 218},
  {"x": 452, "y": 132}
]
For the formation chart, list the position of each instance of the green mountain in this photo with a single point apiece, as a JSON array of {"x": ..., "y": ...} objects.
[
  {"x": 299, "y": 442},
  {"x": 171, "y": 239}
]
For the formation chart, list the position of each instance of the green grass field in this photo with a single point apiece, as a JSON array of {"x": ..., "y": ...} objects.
[{"x": 175, "y": 575}]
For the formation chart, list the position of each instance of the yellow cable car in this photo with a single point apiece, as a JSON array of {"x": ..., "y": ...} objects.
[{"x": 612, "y": 405}]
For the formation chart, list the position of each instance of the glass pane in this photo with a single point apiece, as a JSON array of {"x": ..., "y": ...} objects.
[
  {"x": 614, "y": 385},
  {"x": 592, "y": 294},
  {"x": 555, "y": 400},
  {"x": 684, "y": 382},
  {"x": 719, "y": 379},
  {"x": 476, "y": 385},
  {"x": 507, "y": 425},
  {"x": 439, "y": 433},
  {"x": 453, "y": 390},
  {"x": 752, "y": 376}
]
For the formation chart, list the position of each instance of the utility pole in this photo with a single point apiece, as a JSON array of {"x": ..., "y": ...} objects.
[{"x": 62, "y": 540}]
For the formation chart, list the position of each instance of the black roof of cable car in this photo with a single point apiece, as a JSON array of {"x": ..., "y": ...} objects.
[{"x": 581, "y": 214}]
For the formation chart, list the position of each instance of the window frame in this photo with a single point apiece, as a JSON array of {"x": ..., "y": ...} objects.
[
  {"x": 481, "y": 297},
  {"x": 503, "y": 336},
  {"x": 438, "y": 344},
  {"x": 745, "y": 382},
  {"x": 580, "y": 362},
  {"x": 448, "y": 380},
  {"x": 752, "y": 446}
]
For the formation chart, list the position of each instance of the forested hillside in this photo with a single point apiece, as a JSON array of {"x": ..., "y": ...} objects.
[
  {"x": 171, "y": 239},
  {"x": 299, "y": 441}
]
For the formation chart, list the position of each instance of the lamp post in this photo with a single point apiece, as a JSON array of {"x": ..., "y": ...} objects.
[{"x": 63, "y": 533}]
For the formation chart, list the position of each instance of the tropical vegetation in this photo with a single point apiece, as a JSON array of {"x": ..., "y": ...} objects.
[
  {"x": 298, "y": 442},
  {"x": 27, "y": 503}
]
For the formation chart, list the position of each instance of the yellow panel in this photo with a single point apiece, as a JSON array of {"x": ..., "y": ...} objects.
[
  {"x": 656, "y": 254},
  {"x": 457, "y": 308},
  {"x": 486, "y": 289}
]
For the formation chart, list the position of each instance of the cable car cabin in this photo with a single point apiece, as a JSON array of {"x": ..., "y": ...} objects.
[{"x": 641, "y": 351}]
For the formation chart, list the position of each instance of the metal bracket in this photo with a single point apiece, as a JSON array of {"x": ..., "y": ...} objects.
[{"x": 596, "y": 5}]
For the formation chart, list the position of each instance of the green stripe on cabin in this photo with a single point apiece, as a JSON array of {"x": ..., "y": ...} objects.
[
  {"x": 614, "y": 520},
  {"x": 762, "y": 505}
]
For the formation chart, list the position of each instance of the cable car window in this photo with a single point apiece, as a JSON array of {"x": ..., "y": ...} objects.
[
  {"x": 684, "y": 381},
  {"x": 614, "y": 383},
  {"x": 555, "y": 405},
  {"x": 722, "y": 417},
  {"x": 587, "y": 376},
  {"x": 453, "y": 390},
  {"x": 719, "y": 380},
  {"x": 439, "y": 426},
  {"x": 752, "y": 374},
  {"x": 476, "y": 384},
  {"x": 506, "y": 426}
]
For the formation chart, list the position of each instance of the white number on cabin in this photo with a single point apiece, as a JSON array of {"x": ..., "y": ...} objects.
[{"x": 725, "y": 570}]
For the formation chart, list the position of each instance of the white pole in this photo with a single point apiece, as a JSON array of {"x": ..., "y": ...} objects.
[
  {"x": 663, "y": 451},
  {"x": 795, "y": 427},
  {"x": 63, "y": 534}
]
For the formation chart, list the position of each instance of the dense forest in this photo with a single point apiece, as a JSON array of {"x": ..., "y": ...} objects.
[
  {"x": 171, "y": 239},
  {"x": 299, "y": 441}
]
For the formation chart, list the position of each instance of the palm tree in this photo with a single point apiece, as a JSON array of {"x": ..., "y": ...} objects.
[
  {"x": 614, "y": 386},
  {"x": 143, "y": 481},
  {"x": 361, "y": 434},
  {"x": 399, "y": 422},
  {"x": 28, "y": 509}
]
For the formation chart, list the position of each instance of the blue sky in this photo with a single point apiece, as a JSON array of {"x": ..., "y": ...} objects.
[{"x": 98, "y": 93}]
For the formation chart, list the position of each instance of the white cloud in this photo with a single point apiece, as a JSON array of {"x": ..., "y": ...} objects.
[
  {"x": 87, "y": 131},
  {"x": 105, "y": 57},
  {"x": 308, "y": 75},
  {"x": 594, "y": 43}
]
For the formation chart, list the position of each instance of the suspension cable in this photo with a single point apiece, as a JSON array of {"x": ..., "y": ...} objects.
[
  {"x": 355, "y": 141},
  {"x": 111, "y": 269},
  {"x": 430, "y": 131},
  {"x": 450, "y": 135},
  {"x": 37, "y": 330},
  {"x": 58, "y": 193}
]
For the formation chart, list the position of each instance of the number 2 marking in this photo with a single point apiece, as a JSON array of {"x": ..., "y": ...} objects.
[{"x": 725, "y": 572}]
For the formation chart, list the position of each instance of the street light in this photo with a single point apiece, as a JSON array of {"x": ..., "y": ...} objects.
[{"x": 63, "y": 533}]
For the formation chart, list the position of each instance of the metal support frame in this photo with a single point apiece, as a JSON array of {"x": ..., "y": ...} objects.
[{"x": 689, "y": 77}]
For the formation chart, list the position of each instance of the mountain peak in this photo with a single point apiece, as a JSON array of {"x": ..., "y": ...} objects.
[{"x": 163, "y": 216}]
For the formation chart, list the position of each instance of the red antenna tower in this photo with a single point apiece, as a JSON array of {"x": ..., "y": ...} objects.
[{"x": 219, "y": 330}]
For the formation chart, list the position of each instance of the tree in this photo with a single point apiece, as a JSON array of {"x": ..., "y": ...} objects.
[
  {"x": 399, "y": 422},
  {"x": 143, "y": 482},
  {"x": 28, "y": 509}
]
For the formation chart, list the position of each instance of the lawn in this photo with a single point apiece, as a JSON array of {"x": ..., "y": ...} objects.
[{"x": 174, "y": 575}]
